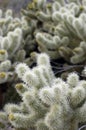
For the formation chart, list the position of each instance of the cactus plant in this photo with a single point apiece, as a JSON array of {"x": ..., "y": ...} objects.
[
  {"x": 64, "y": 25},
  {"x": 47, "y": 102},
  {"x": 13, "y": 32}
]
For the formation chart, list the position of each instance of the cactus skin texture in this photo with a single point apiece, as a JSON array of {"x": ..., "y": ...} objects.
[{"x": 48, "y": 103}]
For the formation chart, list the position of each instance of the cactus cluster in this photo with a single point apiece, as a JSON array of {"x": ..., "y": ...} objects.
[
  {"x": 48, "y": 102},
  {"x": 63, "y": 28},
  {"x": 45, "y": 32},
  {"x": 13, "y": 39},
  {"x": 12, "y": 31}
]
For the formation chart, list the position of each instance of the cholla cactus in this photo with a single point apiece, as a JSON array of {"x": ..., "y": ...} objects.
[
  {"x": 64, "y": 25},
  {"x": 13, "y": 31},
  {"x": 8, "y": 46},
  {"x": 55, "y": 28},
  {"x": 48, "y": 103},
  {"x": 13, "y": 38},
  {"x": 72, "y": 16},
  {"x": 37, "y": 18},
  {"x": 9, "y": 23}
]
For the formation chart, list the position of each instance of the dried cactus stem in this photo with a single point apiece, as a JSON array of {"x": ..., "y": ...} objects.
[{"x": 73, "y": 125}]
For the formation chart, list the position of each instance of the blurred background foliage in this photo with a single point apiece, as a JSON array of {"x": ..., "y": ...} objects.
[{"x": 15, "y": 5}]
